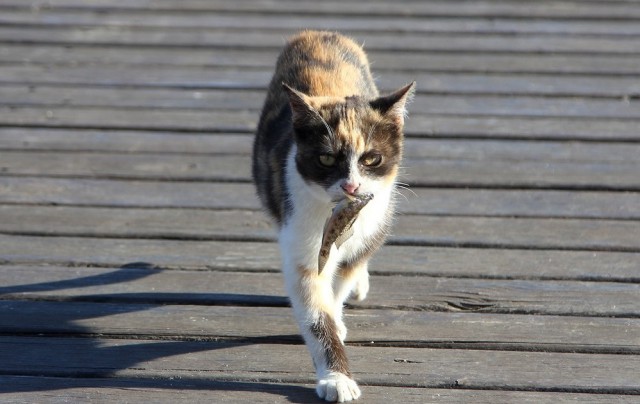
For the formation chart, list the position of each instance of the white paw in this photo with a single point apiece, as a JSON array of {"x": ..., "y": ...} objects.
[
  {"x": 337, "y": 387},
  {"x": 361, "y": 288}
]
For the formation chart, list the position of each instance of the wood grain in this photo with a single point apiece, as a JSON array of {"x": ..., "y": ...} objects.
[
  {"x": 220, "y": 144},
  {"x": 432, "y": 201},
  {"x": 260, "y": 257},
  {"x": 564, "y": 9},
  {"x": 417, "y": 230},
  {"x": 152, "y": 286},
  {"x": 418, "y": 171},
  {"x": 27, "y": 389},
  {"x": 433, "y": 368},
  {"x": 383, "y": 61},
  {"x": 243, "y": 121},
  {"x": 252, "y": 79}
]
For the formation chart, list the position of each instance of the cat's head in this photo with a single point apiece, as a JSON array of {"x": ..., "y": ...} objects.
[{"x": 348, "y": 145}]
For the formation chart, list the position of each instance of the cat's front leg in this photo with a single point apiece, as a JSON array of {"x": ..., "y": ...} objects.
[
  {"x": 335, "y": 382},
  {"x": 312, "y": 298}
]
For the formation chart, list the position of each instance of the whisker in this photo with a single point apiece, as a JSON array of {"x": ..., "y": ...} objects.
[
  {"x": 396, "y": 191},
  {"x": 402, "y": 185}
]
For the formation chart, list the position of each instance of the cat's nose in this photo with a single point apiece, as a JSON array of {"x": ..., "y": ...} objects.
[{"x": 350, "y": 187}]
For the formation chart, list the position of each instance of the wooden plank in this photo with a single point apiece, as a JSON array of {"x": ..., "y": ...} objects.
[
  {"x": 541, "y": 128},
  {"x": 470, "y": 43},
  {"x": 542, "y": 175},
  {"x": 432, "y": 201},
  {"x": 388, "y": 294},
  {"x": 96, "y": 140},
  {"x": 408, "y": 367},
  {"x": 505, "y": 9},
  {"x": 419, "y": 230},
  {"x": 230, "y": 78},
  {"x": 214, "y": 121},
  {"x": 418, "y": 171},
  {"x": 261, "y": 257},
  {"x": 149, "y": 18},
  {"x": 27, "y": 390},
  {"x": 382, "y": 61},
  {"x": 587, "y": 335},
  {"x": 242, "y": 121},
  {"x": 46, "y": 96}
]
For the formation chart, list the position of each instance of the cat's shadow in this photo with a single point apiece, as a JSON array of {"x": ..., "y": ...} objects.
[{"x": 24, "y": 320}]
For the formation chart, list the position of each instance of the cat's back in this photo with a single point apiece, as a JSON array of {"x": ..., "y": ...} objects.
[{"x": 320, "y": 63}]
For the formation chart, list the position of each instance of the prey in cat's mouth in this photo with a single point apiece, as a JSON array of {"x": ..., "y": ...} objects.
[{"x": 337, "y": 228}]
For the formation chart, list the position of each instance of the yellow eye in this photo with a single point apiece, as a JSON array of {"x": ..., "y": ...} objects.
[
  {"x": 327, "y": 160},
  {"x": 371, "y": 160}
]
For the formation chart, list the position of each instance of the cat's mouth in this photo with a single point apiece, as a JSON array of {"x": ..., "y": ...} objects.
[{"x": 350, "y": 197}]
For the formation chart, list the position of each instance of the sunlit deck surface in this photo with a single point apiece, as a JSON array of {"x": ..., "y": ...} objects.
[{"x": 136, "y": 264}]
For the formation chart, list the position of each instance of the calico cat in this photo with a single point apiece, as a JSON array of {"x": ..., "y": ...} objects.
[{"x": 324, "y": 134}]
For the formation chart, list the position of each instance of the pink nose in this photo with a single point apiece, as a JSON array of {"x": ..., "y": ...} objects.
[{"x": 350, "y": 187}]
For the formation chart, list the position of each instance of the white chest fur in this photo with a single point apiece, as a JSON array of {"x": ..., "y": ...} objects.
[{"x": 301, "y": 234}]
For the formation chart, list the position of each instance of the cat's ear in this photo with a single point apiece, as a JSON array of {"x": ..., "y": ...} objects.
[
  {"x": 394, "y": 104},
  {"x": 300, "y": 106}
]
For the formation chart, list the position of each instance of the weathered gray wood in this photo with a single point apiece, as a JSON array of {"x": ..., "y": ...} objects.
[
  {"x": 416, "y": 230},
  {"x": 417, "y": 172},
  {"x": 434, "y": 201},
  {"x": 496, "y": 127},
  {"x": 28, "y": 390},
  {"x": 563, "y": 9},
  {"x": 587, "y": 335},
  {"x": 128, "y": 285},
  {"x": 51, "y": 139},
  {"x": 229, "y": 78},
  {"x": 95, "y": 140},
  {"x": 383, "y": 61},
  {"x": 216, "y": 99},
  {"x": 433, "y": 368},
  {"x": 134, "y": 36},
  {"x": 61, "y": 17},
  {"x": 260, "y": 257},
  {"x": 212, "y": 121},
  {"x": 515, "y": 127}
]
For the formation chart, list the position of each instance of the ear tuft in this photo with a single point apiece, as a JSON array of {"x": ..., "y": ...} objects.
[
  {"x": 394, "y": 104},
  {"x": 299, "y": 102}
]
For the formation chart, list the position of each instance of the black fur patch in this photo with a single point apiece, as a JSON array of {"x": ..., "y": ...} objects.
[
  {"x": 270, "y": 151},
  {"x": 325, "y": 330}
]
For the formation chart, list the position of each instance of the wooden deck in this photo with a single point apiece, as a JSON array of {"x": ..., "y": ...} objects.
[{"x": 136, "y": 266}]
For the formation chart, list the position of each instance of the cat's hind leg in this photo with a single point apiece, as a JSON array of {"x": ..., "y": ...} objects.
[
  {"x": 352, "y": 282},
  {"x": 361, "y": 288}
]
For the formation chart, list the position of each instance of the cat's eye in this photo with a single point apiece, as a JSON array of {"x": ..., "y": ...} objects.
[
  {"x": 327, "y": 160},
  {"x": 371, "y": 160}
]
